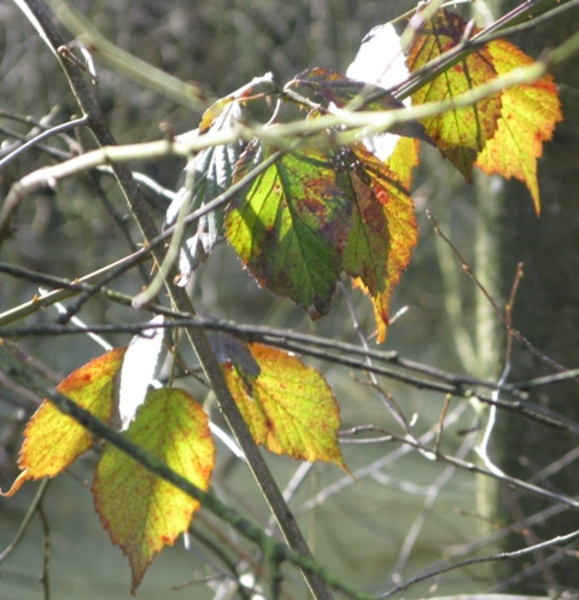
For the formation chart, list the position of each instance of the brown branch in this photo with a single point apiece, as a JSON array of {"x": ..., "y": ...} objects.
[
  {"x": 14, "y": 363},
  {"x": 87, "y": 102}
]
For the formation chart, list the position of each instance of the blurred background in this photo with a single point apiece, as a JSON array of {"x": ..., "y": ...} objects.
[{"x": 403, "y": 513}]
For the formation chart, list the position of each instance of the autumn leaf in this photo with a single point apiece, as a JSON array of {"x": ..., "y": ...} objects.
[
  {"x": 331, "y": 86},
  {"x": 461, "y": 133},
  {"x": 383, "y": 234},
  {"x": 291, "y": 409},
  {"x": 401, "y": 161},
  {"x": 503, "y": 133},
  {"x": 222, "y": 112},
  {"x": 53, "y": 440},
  {"x": 528, "y": 118},
  {"x": 316, "y": 213},
  {"x": 142, "y": 512},
  {"x": 290, "y": 226}
]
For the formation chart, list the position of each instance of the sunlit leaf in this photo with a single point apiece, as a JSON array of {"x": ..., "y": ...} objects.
[
  {"x": 502, "y": 134},
  {"x": 142, "y": 512},
  {"x": 290, "y": 226},
  {"x": 211, "y": 174},
  {"x": 528, "y": 118},
  {"x": 52, "y": 440},
  {"x": 402, "y": 159},
  {"x": 138, "y": 370},
  {"x": 292, "y": 409},
  {"x": 380, "y": 61},
  {"x": 383, "y": 234},
  {"x": 461, "y": 133},
  {"x": 220, "y": 113}
]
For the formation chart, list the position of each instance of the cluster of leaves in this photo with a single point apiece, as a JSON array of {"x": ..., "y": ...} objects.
[
  {"x": 313, "y": 212},
  {"x": 319, "y": 211},
  {"x": 289, "y": 408}
]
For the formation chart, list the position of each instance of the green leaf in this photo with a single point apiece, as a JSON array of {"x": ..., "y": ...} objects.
[
  {"x": 291, "y": 225},
  {"x": 142, "y": 512}
]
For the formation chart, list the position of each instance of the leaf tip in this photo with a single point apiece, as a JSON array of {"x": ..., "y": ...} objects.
[{"x": 24, "y": 476}]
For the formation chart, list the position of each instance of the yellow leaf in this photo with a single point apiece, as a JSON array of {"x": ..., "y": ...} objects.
[
  {"x": 291, "y": 410},
  {"x": 142, "y": 512},
  {"x": 528, "y": 118},
  {"x": 52, "y": 440}
]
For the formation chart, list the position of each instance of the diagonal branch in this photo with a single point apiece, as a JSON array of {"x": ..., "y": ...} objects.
[
  {"x": 12, "y": 362},
  {"x": 44, "y": 23}
]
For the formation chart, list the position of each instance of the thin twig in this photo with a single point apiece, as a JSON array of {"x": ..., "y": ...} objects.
[
  {"x": 285, "y": 340},
  {"x": 26, "y": 521},
  {"x": 45, "y": 575},
  {"x": 512, "y": 331},
  {"x": 56, "y": 130},
  {"x": 474, "y": 561},
  {"x": 441, "y": 423},
  {"x": 483, "y": 446},
  {"x": 393, "y": 408}
]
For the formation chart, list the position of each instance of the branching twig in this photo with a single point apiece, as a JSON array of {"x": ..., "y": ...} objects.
[
  {"x": 26, "y": 521},
  {"x": 45, "y": 575},
  {"x": 56, "y": 130},
  {"x": 42, "y": 20},
  {"x": 331, "y": 351},
  {"x": 553, "y": 542},
  {"x": 502, "y": 316},
  {"x": 11, "y": 362}
]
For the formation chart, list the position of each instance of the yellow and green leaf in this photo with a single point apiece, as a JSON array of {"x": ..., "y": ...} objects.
[
  {"x": 142, "y": 512},
  {"x": 53, "y": 440},
  {"x": 291, "y": 409},
  {"x": 501, "y": 134},
  {"x": 291, "y": 226},
  {"x": 462, "y": 133}
]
